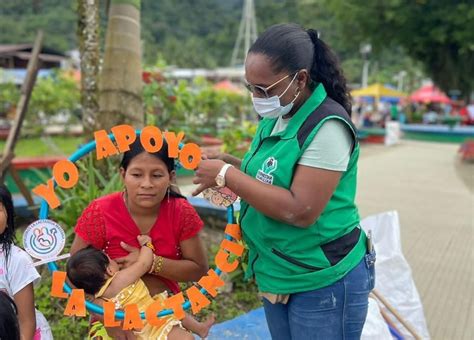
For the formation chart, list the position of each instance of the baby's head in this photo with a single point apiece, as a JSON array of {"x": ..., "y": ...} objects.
[{"x": 89, "y": 268}]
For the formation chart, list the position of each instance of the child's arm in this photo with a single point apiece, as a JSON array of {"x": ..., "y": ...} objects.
[
  {"x": 24, "y": 300},
  {"x": 129, "y": 275}
]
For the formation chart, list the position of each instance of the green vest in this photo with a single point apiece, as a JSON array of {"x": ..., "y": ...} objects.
[{"x": 283, "y": 258}]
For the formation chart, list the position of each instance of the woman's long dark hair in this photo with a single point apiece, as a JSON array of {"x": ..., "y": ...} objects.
[
  {"x": 9, "y": 326},
  {"x": 292, "y": 48},
  {"x": 8, "y": 236},
  {"x": 136, "y": 148}
]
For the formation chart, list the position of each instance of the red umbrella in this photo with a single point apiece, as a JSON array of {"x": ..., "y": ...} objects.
[{"x": 429, "y": 94}]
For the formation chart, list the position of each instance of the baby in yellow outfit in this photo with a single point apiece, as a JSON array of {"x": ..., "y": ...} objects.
[{"x": 92, "y": 270}]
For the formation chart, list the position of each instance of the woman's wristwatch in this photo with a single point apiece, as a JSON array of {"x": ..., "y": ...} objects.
[{"x": 220, "y": 178}]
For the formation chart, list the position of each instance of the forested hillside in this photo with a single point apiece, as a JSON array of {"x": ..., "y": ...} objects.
[{"x": 202, "y": 33}]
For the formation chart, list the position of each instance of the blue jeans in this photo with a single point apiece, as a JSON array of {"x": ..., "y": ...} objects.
[{"x": 334, "y": 312}]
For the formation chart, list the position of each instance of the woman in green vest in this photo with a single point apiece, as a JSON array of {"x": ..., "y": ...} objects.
[{"x": 307, "y": 252}]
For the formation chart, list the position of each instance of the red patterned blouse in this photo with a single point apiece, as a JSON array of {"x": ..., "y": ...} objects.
[{"x": 106, "y": 222}]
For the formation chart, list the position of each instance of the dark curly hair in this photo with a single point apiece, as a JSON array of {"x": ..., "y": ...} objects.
[
  {"x": 86, "y": 269},
  {"x": 8, "y": 236},
  {"x": 292, "y": 48},
  {"x": 9, "y": 326}
]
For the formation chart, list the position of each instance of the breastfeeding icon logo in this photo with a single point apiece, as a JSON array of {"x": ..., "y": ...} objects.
[
  {"x": 44, "y": 239},
  {"x": 264, "y": 174}
]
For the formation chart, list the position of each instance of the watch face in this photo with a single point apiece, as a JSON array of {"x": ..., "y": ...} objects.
[{"x": 220, "y": 181}]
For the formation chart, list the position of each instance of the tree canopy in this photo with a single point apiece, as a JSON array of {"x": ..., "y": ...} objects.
[
  {"x": 202, "y": 33},
  {"x": 438, "y": 33}
]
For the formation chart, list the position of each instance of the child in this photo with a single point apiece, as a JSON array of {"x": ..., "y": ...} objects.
[
  {"x": 17, "y": 275},
  {"x": 92, "y": 270},
  {"x": 9, "y": 328}
]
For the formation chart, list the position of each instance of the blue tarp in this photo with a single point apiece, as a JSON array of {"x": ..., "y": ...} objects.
[{"x": 250, "y": 326}]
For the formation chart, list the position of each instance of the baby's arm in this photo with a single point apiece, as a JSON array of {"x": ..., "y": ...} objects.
[{"x": 129, "y": 275}]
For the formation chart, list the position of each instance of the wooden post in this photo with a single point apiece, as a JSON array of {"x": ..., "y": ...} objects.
[
  {"x": 25, "y": 95},
  {"x": 26, "y": 89},
  {"x": 396, "y": 314}
]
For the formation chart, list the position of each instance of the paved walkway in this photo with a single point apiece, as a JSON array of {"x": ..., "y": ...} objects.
[{"x": 434, "y": 195}]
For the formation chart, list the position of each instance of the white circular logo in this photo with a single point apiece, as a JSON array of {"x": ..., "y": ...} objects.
[{"x": 44, "y": 239}]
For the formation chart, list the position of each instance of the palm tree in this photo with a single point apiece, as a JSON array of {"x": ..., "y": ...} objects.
[
  {"x": 88, "y": 37},
  {"x": 120, "y": 83}
]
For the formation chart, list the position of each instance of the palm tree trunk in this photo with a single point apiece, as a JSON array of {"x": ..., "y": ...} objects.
[
  {"x": 120, "y": 85},
  {"x": 88, "y": 37}
]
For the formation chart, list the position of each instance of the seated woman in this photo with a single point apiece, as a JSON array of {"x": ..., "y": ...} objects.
[
  {"x": 147, "y": 206},
  {"x": 92, "y": 270}
]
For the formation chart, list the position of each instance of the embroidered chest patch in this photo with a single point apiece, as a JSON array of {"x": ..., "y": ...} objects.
[{"x": 264, "y": 174}]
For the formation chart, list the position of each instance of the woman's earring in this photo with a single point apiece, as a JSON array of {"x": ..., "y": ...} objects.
[{"x": 168, "y": 194}]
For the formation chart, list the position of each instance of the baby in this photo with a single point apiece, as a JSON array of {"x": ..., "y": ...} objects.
[{"x": 92, "y": 270}]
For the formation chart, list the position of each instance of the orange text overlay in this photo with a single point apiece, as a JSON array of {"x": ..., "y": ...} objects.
[
  {"x": 66, "y": 174},
  {"x": 226, "y": 261}
]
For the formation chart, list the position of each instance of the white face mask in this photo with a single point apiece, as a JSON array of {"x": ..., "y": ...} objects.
[{"x": 271, "y": 107}]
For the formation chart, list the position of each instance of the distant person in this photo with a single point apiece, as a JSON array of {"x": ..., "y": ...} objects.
[
  {"x": 470, "y": 113},
  {"x": 297, "y": 182},
  {"x": 394, "y": 112}
]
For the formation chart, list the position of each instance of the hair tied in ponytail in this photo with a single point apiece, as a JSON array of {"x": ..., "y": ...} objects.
[{"x": 313, "y": 34}]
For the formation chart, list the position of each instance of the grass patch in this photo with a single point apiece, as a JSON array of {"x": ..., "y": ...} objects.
[{"x": 45, "y": 146}]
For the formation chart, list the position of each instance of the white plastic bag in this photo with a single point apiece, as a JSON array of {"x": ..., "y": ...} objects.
[
  {"x": 393, "y": 279},
  {"x": 375, "y": 327}
]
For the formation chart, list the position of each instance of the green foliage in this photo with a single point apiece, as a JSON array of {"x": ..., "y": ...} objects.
[
  {"x": 95, "y": 180},
  {"x": 19, "y": 20},
  {"x": 184, "y": 31},
  {"x": 9, "y": 95},
  {"x": 62, "y": 327},
  {"x": 243, "y": 296},
  {"x": 436, "y": 33},
  {"x": 52, "y": 96},
  {"x": 175, "y": 31},
  {"x": 237, "y": 138},
  {"x": 193, "y": 107},
  {"x": 241, "y": 300}
]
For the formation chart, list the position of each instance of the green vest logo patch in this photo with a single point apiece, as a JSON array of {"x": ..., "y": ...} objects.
[{"x": 264, "y": 174}]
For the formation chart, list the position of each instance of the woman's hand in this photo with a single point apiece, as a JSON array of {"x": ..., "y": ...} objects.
[
  {"x": 206, "y": 173},
  {"x": 143, "y": 239},
  {"x": 215, "y": 154},
  {"x": 131, "y": 258},
  {"x": 211, "y": 153}
]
